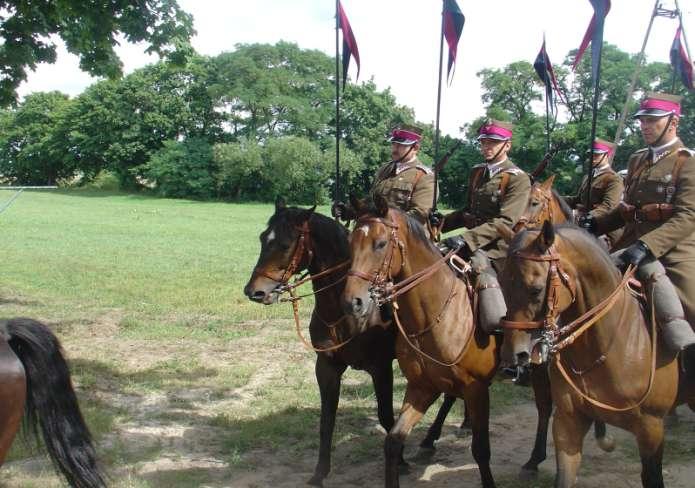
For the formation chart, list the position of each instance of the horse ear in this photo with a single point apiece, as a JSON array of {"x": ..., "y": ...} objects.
[
  {"x": 280, "y": 203},
  {"x": 504, "y": 231},
  {"x": 548, "y": 184},
  {"x": 546, "y": 238},
  {"x": 306, "y": 214},
  {"x": 382, "y": 206}
]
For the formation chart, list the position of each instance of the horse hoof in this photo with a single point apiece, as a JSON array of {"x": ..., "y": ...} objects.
[
  {"x": 607, "y": 443},
  {"x": 528, "y": 474},
  {"x": 424, "y": 454},
  {"x": 316, "y": 480}
]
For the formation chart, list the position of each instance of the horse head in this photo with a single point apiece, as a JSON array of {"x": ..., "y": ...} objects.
[
  {"x": 539, "y": 207},
  {"x": 286, "y": 248},
  {"x": 538, "y": 285}
]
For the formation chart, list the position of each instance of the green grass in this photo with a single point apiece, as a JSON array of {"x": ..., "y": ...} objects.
[{"x": 74, "y": 255}]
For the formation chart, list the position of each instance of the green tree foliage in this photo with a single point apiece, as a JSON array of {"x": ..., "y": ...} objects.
[
  {"x": 31, "y": 151},
  {"x": 183, "y": 169},
  {"x": 90, "y": 30}
]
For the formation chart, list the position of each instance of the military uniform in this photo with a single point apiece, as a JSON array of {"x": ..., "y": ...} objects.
[
  {"x": 659, "y": 210},
  {"x": 407, "y": 186},
  {"x": 498, "y": 195}
]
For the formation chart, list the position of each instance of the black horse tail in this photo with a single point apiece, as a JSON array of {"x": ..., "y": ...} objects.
[{"x": 51, "y": 402}]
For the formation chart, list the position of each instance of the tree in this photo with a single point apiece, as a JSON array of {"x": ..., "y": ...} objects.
[
  {"x": 90, "y": 30},
  {"x": 32, "y": 149}
]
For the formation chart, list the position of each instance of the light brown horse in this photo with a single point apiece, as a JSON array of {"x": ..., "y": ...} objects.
[
  {"x": 439, "y": 348},
  {"x": 543, "y": 204},
  {"x": 35, "y": 387},
  {"x": 562, "y": 288}
]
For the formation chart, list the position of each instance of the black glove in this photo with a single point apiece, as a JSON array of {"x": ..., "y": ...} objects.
[
  {"x": 632, "y": 255},
  {"x": 435, "y": 219},
  {"x": 457, "y": 242},
  {"x": 588, "y": 223},
  {"x": 342, "y": 211}
]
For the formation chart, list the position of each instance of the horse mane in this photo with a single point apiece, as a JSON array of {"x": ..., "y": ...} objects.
[
  {"x": 574, "y": 237},
  {"x": 564, "y": 206},
  {"x": 415, "y": 227}
]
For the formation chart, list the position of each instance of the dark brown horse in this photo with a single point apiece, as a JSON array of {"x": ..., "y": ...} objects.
[
  {"x": 439, "y": 349},
  {"x": 563, "y": 291},
  {"x": 296, "y": 240},
  {"x": 35, "y": 387}
]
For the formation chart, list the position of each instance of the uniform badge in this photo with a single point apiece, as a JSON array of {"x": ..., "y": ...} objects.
[{"x": 660, "y": 189}]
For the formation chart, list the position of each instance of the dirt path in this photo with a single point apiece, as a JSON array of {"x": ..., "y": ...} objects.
[{"x": 166, "y": 438}]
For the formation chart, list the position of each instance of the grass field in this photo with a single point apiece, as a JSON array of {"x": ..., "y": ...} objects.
[{"x": 183, "y": 381}]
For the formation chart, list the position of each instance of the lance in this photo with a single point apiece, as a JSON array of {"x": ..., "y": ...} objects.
[{"x": 336, "y": 195}]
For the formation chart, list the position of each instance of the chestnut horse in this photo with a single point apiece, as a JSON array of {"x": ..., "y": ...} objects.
[
  {"x": 563, "y": 290},
  {"x": 439, "y": 348},
  {"x": 296, "y": 240},
  {"x": 545, "y": 204},
  {"x": 35, "y": 387}
]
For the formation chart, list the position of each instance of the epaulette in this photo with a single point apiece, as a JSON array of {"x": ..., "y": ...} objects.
[
  {"x": 426, "y": 169},
  {"x": 479, "y": 165},
  {"x": 691, "y": 152},
  {"x": 513, "y": 170},
  {"x": 641, "y": 150}
]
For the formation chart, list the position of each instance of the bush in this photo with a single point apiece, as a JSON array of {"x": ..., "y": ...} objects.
[{"x": 183, "y": 170}]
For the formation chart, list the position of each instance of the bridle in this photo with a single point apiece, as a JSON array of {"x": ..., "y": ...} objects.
[
  {"x": 526, "y": 221},
  {"x": 557, "y": 277},
  {"x": 303, "y": 244},
  {"x": 381, "y": 280}
]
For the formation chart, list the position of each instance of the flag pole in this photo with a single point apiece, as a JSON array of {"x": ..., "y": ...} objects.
[
  {"x": 547, "y": 122},
  {"x": 594, "y": 117},
  {"x": 439, "y": 103},
  {"x": 336, "y": 195}
]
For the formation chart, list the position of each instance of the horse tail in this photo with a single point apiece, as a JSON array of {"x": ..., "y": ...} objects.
[
  {"x": 51, "y": 402},
  {"x": 604, "y": 440}
]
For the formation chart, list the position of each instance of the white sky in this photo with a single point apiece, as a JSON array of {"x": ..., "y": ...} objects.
[{"x": 399, "y": 41}]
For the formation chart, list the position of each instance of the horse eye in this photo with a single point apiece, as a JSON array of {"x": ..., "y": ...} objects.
[
  {"x": 534, "y": 204},
  {"x": 379, "y": 245}
]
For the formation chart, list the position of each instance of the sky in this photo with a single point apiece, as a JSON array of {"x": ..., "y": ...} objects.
[{"x": 398, "y": 41}]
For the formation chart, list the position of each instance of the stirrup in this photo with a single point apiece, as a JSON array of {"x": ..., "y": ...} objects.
[{"x": 459, "y": 264}]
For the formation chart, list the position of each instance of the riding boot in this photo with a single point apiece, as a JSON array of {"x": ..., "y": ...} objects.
[
  {"x": 676, "y": 332},
  {"x": 491, "y": 306}
]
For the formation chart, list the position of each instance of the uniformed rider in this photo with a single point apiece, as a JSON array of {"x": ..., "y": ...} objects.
[
  {"x": 658, "y": 215},
  {"x": 405, "y": 182},
  {"x": 606, "y": 186},
  {"x": 497, "y": 193}
]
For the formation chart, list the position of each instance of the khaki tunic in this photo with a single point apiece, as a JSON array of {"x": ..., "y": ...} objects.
[
  {"x": 672, "y": 240},
  {"x": 409, "y": 188},
  {"x": 606, "y": 193},
  {"x": 489, "y": 205}
]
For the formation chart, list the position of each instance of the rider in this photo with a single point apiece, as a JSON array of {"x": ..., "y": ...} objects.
[
  {"x": 658, "y": 215},
  {"x": 606, "y": 186},
  {"x": 405, "y": 182},
  {"x": 497, "y": 194}
]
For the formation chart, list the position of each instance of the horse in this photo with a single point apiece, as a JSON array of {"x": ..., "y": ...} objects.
[
  {"x": 579, "y": 315},
  {"x": 35, "y": 388},
  {"x": 438, "y": 349},
  {"x": 546, "y": 205},
  {"x": 300, "y": 239}
]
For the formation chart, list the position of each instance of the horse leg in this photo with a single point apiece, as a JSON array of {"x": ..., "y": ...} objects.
[
  {"x": 544, "y": 405},
  {"x": 13, "y": 390},
  {"x": 435, "y": 430},
  {"x": 382, "y": 378},
  {"x": 477, "y": 398},
  {"x": 569, "y": 430},
  {"x": 415, "y": 404},
  {"x": 328, "y": 375},
  {"x": 650, "y": 440}
]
